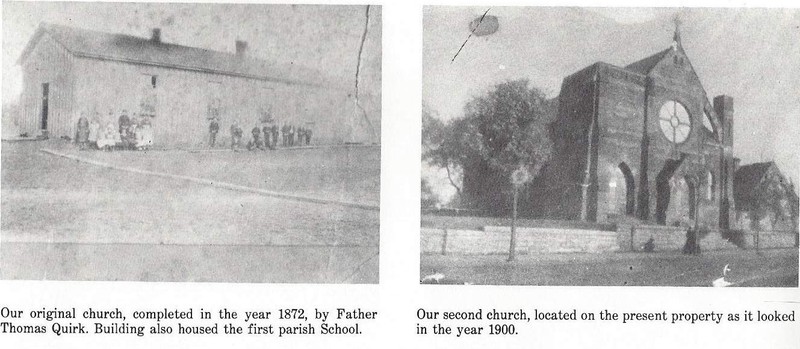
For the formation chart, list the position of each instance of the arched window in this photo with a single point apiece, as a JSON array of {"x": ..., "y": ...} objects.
[
  {"x": 689, "y": 184},
  {"x": 630, "y": 188},
  {"x": 709, "y": 124},
  {"x": 711, "y": 186},
  {"x": 612, "y": 195}
]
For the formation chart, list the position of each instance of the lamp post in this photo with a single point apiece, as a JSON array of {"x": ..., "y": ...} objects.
[{"x": 518, "y": 178}]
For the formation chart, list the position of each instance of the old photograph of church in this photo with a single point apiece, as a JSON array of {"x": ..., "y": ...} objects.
[
  {"x": 191, "y": 142},
  {"x": 596, "y": 146}
]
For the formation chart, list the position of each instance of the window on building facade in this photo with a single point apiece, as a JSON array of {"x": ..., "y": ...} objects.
[
  {"x": 611, "y": 197},
  {"x": 692, "y": 197},
  {"x": 214, "y": 100},
  {"x": 148, "y": 99},
  {"x": 707, "y": 122},
  {"x": 675, "y": 121},
  {"x": 266, "y": 100},
  {"x": 710, "y": 186}
]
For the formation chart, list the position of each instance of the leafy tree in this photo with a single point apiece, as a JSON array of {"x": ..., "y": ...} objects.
[
  {"x": 775, "y": 200},
  {"x": 428, "y": 199},
  {"x": 501, "y": 131},
  {"x": 437, "y": 147}
]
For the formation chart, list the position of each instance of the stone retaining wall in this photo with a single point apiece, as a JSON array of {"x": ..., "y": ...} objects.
[
  {"x": 769, "y": 239},
  {"x": 496, "y": 240}
]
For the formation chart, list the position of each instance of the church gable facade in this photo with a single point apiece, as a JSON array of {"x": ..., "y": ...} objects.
[{"x": 641, "y": 141}]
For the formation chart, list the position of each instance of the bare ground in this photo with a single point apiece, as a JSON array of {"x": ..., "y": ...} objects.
[{"x": 67, "y": 220}]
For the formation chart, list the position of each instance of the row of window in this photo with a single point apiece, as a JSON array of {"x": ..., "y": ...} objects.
[{"x": 623, "y": 172}]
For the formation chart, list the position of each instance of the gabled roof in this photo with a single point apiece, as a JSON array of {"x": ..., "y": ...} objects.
[
  {"x": 748, "y": 176},
  {"x": 137, "y": 50},
  {"x": 754, "y": 181},
  {"x": 644, "y": 66},
  {"x": 746, "y": 181}
]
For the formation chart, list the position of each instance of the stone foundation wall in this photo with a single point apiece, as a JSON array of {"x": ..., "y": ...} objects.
[
  {"x": 769, "y": 239},
  {"x": 496, "y": 240},
  {"x": 667, "y": 238}
]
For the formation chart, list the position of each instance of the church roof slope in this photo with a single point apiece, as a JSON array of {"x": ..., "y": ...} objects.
[
  {"x": 645, "y": 65},
  {"x": 133, "y": 49}
]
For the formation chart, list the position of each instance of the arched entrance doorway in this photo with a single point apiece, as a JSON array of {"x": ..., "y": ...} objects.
[
  {"x": 664, "y": 189},
  {"x": 630, "y": 188},
  {"x": 683, "y": 201},
  {"x": 621, "y": 192}
]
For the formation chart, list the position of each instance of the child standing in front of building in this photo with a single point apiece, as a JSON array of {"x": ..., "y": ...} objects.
[
  {"x": 106, "y": 139},
  {"x": 265, "y": 132},
  {"x": 94, "y": 131},
  {"x": 144, "y": 136},
  {"x": 236, "y": 135},
  {"x": 82, "y": 136},
  {"x": 213, "y": 129},
  {"x": 255, "y": 142},
  {"x": 275, "y": 135}
]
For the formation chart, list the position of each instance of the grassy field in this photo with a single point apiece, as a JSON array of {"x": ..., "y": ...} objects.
[
  {"x": 57, "y": 212},
  {"x": 769, "y": 268}
]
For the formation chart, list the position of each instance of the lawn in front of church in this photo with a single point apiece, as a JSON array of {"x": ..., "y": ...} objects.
[{"x": 766, "y": 268}]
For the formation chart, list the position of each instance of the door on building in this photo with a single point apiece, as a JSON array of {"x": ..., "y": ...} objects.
[
  {"x": 45, "y": 104},
  {"x": 662, "y": 200},
  {"x": 681, "y": 205},
  {"x": 620, "y": 200},
  {"x": 664, "y": 188},
  {"x": 148, "y": 99},
  {"x": 630, "y": 188}
]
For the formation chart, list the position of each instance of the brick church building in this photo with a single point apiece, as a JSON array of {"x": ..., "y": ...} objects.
[{"x": 643, "y": 141}]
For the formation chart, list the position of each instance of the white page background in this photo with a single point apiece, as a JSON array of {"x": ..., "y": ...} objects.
[{"x": 398, "y": 296}]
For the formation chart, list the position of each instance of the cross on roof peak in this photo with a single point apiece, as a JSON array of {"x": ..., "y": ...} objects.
[{"x": 676, "y": 38}]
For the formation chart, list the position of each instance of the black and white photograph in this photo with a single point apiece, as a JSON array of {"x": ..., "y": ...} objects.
[
  {"x": 610, "y": 146},
  {"x": 191, "y": 142}
]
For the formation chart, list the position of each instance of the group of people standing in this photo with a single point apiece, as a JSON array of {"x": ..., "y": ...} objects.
[
  {"x": 132, "y": 133},
  {"x": 295, "y": 136},
  {"x": 264, "y": 137}
]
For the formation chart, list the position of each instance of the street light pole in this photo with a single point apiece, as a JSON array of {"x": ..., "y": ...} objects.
[
  {"x": 518, "y": 178},
  {"x": 512, "y": 250}
]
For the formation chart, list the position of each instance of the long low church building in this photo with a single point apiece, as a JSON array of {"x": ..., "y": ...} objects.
[{"x": 69, "y": 72}]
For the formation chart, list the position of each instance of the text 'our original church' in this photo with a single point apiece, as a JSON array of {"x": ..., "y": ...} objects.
[{"x": 642, "y": 140}]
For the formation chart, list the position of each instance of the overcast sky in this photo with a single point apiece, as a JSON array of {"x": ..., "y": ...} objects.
[
  {"x": 751, "y": 55},
  {"x": 325, "y": 38}
]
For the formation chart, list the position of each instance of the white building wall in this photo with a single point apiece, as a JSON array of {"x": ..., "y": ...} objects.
[
  {"x": 48, "y": 62},
  {"x": 183, "y": 98}
]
